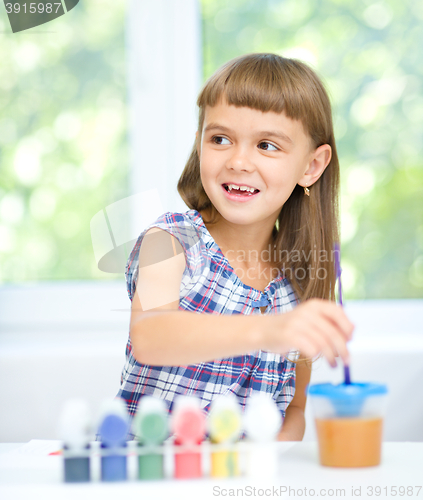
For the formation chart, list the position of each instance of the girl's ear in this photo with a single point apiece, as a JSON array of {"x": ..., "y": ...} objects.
[{"x": 320, "y": 159}]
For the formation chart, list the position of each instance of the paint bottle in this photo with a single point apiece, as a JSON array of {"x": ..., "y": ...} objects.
[
  {"x": 74, "y": 430},
  {"x": 262, "y": 424},
  {"x": 151, "y": 428},
  {"x": 189, "y": 426},
  {"x": 113, "y": 430},
  {"x": 225, "y": 423}
]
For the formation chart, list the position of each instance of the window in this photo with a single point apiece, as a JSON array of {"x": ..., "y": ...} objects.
[
  {"x": 367, "y": 54},
  {"x": 99, "y": 108},
  {"x": 100, "y": 103},
  {"x": 63, "y": 139}
]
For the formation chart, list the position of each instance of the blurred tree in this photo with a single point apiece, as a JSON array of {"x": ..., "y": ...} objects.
[
  {"x": 368, "y": 53},
  {"x": 63, "y": 140},
  {"x": 63, "y": 128}
]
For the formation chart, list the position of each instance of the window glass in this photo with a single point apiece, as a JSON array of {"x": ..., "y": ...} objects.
[
  {"x": 368, "y": 54},
  {"x": 63, "y": 140}
]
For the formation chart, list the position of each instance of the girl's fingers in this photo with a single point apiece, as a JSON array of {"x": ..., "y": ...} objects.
[
  {"x": 312, "y": 342},
  {"x": 333, "y": 338},
  {"x": 337, "y": 316},
  {"x": 325, "y": 336},
  {"x": 307, "y": 346},
  {"x": 332, "y": 312},
  {"x": 328, "y": 354},
  {"x": 323, "y": 345},
  {"x": 318, "y": 326}
]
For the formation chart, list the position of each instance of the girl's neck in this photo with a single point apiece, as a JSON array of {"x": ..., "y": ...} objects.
[{"x": 252, "y": 244}]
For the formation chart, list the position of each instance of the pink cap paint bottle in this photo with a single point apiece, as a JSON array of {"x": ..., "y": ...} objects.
[{"x": 189, "y": 426}]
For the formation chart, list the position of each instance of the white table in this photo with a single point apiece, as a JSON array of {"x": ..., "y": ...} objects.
[{"x": 38, "y": 476}]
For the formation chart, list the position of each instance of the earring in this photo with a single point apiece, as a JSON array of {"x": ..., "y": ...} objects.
[{"x": 306, "y": 190}]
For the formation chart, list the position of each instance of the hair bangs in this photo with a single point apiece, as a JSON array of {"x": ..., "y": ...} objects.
[{"x": 264, "y": 82}]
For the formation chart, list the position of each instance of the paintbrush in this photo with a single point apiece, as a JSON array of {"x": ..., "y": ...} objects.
[{"x": 338, "y": 272}]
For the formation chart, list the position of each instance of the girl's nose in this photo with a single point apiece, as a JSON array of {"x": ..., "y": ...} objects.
[{"x": 240, "y": 160}]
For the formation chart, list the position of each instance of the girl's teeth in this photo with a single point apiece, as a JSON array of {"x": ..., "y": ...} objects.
[{"x": 240, "y": 188}]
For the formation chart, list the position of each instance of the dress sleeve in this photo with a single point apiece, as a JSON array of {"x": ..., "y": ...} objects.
[{"x": 179, "y": 226}]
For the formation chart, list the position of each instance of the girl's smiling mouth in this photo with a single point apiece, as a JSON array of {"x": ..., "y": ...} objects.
[{"x": 238, "y": 192}]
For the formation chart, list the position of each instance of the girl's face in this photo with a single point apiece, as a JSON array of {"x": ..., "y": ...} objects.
[{"x": 265, "y": 151}]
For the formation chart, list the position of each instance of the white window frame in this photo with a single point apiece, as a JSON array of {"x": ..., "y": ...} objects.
[
  {"x": 164, "y": 77},
  {"x": 164, "y": 70}
]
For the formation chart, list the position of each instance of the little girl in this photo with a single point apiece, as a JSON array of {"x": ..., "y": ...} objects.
[{"x": 261, "y": 184}]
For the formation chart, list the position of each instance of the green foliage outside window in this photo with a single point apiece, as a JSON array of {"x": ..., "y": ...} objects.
[
  {"x": 369, "y": 54},
  {"x": 63, "y": 128},
  {"x": 63, "y": 140}
]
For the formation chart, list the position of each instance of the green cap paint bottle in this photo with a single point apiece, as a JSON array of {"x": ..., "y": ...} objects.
[{"x": 151, "y": 429}]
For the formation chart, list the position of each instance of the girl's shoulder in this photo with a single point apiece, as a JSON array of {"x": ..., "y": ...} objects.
[
  {"x": 179, "y": 219},
  {"x": 186, "y": 227}
]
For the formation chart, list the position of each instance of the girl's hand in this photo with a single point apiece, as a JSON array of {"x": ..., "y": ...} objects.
[{"x": 315, "y": 326}]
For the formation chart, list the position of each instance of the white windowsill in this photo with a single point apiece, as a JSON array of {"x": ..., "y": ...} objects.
[
  {"x": 104, "y": 306},
  {"x": 53, "y": 307},
  {"x": 64, "y": 340}
]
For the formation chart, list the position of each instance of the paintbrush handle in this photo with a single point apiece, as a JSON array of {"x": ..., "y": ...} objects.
[
  {"x": 347, "y": 374},
  {"x": 338, "y": 271}
]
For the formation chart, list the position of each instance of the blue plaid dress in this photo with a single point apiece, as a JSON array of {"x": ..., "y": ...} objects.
[{"x": 210, "y": 285}]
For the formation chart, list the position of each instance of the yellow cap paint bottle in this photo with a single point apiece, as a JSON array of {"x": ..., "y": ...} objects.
[{"x": 225, "y": 424}]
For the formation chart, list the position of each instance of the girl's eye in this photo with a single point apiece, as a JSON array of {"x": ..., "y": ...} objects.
[
  {"x": 268, "y": 144},
  {"x": 219, "y": 138}
]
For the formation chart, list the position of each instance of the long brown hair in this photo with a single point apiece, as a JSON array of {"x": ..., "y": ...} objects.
[{"x": 307, "y": 227}]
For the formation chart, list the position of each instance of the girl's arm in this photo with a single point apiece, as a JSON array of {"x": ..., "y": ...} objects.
[
  {"x": 293, "y": 427},
  {"x": 163, "y": 335},
  {"x": 160, "y": 333}
]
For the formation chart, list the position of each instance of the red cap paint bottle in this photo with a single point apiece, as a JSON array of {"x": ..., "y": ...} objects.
[{"x": 189, "y": 425}]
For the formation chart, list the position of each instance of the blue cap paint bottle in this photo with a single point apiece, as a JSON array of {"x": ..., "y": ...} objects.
[
  {"x": 74, "y": 430},
  {"x": 113, "y": 430}
]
